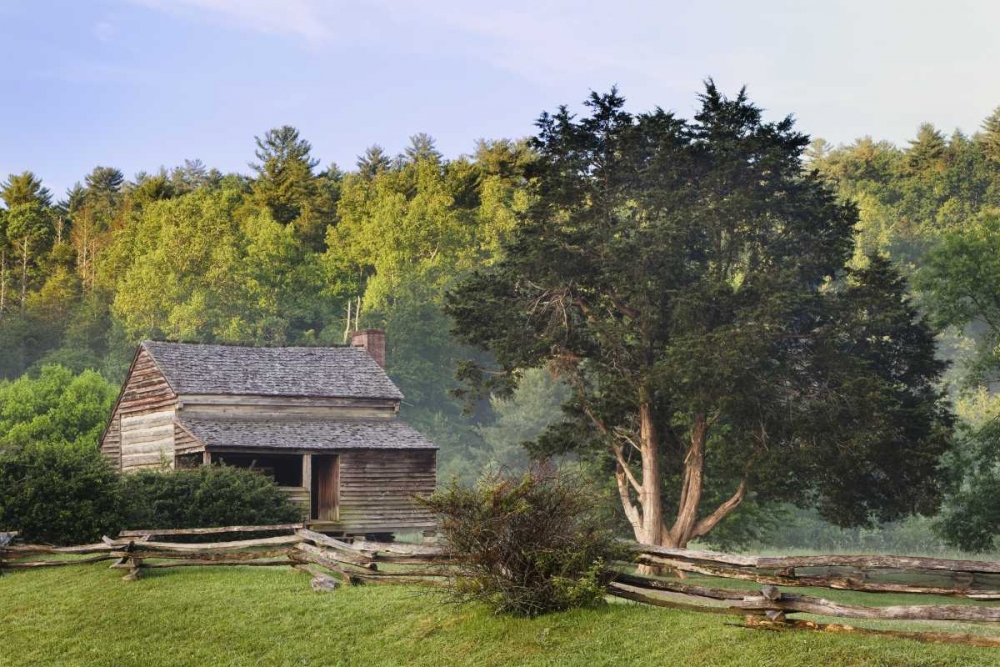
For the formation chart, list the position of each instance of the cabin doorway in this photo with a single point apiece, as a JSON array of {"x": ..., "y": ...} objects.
[{"x": 325, "y": 491}]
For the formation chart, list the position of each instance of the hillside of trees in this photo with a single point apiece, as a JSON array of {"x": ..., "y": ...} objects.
[{"x": 297, "y": 252}]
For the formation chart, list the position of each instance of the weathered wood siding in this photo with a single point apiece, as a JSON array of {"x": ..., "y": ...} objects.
[
  {"x": 147, "y": 440},
  {"x": 286, "y": 406},
  {"x": 146, "y": 392},
  {"x": 185, "y": 443},
  {"x": 377, "y": 489}
]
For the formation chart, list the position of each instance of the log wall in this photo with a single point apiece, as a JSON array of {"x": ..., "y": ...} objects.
[
  {"x": 145, "y": 392},
  {"x": 147, "y": 440},
  {"x": 377, "y": 489}
]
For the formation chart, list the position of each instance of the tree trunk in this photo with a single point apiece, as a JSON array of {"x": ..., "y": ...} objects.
[
  {"x": 3, "y": 281},
  {"x": 692, "y": 485},
  {"x": 647, "y": 519},
  {"x": 24, "y": 272},
  {"x": 650, "y": 499}
]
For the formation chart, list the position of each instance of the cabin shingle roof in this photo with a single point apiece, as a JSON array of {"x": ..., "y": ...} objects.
[
  {"x": 250, "y": 433},
  {"x": 336, "y": 372}
]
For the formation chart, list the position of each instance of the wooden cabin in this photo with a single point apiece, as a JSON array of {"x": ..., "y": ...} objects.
[{"x": 321, "y": 421}]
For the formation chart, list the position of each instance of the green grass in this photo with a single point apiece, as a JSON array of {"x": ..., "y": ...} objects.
[{"x": 269, "y": 616}]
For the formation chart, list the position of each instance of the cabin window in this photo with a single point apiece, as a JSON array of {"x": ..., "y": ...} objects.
[{"x": 284, "y": 469}]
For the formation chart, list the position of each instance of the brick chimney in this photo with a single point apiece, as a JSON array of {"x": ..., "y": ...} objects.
[{"x": 373, "y": 340}]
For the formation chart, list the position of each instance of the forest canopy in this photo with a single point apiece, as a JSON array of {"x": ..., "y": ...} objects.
[{"x": 278, "y": 256}]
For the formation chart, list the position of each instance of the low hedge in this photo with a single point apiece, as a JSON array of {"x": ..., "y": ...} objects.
[
  {"x": 68, "y": 494},
  {"x": 206, "y": 496},
  {"x": 58, "y": 494}
]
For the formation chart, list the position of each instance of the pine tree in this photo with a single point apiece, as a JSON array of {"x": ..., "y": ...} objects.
[
  {"x": 990, "y": 137},
  {"x": 373, "y": 162},
  {"x": 104, "y": 187},
  {"x": 422, "y": 148},
  {"x": 927, "y": 151},
  {"x": 287, "y": 186},
  {"x": 24, "y": 188}
]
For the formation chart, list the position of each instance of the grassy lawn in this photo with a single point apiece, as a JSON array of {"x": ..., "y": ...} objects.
[{"x": 269, "y": 616}]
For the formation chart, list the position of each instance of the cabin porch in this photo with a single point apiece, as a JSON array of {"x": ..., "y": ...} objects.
[{"x": 352, "y": 492}]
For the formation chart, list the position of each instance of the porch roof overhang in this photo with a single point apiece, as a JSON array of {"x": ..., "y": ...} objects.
[{"x": 303, "y": 434}]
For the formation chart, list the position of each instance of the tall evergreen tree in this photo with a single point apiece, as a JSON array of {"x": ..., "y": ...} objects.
[
  {"x": 422, "y": 148},
  {"x": 287, "y": 187},
  {"x": 104, "y": 187},
  {"x": 927, "y": 151},
  {"x": 24, "y": 188},
  {"x": 373, "y": 162},
  {"x": 688, "y": 281},
  {"x": 990, "y": 136}
]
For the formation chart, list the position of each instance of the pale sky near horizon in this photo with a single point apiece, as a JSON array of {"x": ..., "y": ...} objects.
[{"x": 140, "y": 84}]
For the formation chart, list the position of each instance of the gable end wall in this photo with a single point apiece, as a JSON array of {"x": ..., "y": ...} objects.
[{"x": 146, "y": 392}]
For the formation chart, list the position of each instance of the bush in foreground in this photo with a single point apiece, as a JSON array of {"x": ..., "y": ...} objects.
[
  {"x": 525, "y": 546},
  {"x": 205, "y": 496},
  {"x": 58, "y": 493}
]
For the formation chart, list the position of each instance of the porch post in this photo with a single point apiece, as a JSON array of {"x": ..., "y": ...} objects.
[{"x": 307, "y": 482}]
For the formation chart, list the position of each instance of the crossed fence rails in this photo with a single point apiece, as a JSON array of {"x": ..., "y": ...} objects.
[{"x": 333, "y": 562}]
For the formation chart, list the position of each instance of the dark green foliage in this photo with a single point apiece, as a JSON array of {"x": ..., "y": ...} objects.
[
  {"x": 927, "y": 151},
  {"x": 689, "y": 281},
  {"x": 58, "y": 494},
  {"x": 287, "y": 187},
  {"x": 202, "y": 497},
  {"x": 970, "y": 519},
  {"x": 525, "y": 546},
  {"x": 991, "y": 136}
]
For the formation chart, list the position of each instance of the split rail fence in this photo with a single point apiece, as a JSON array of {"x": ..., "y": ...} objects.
[{"x": 332, "y": 562}]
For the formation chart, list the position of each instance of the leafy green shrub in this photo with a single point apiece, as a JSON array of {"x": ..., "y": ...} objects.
[
  {"x": 525, "y": 546},
  {"x": 56, "y": 407},
  {"x": 202, "y": 497},
  {"x": 58, "y": 493}
]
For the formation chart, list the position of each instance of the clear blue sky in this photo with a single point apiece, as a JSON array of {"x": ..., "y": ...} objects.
[{"x": 142, "y": 83}]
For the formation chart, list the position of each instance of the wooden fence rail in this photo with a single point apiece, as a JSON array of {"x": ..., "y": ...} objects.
[{"x": 331, "y": 562}]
